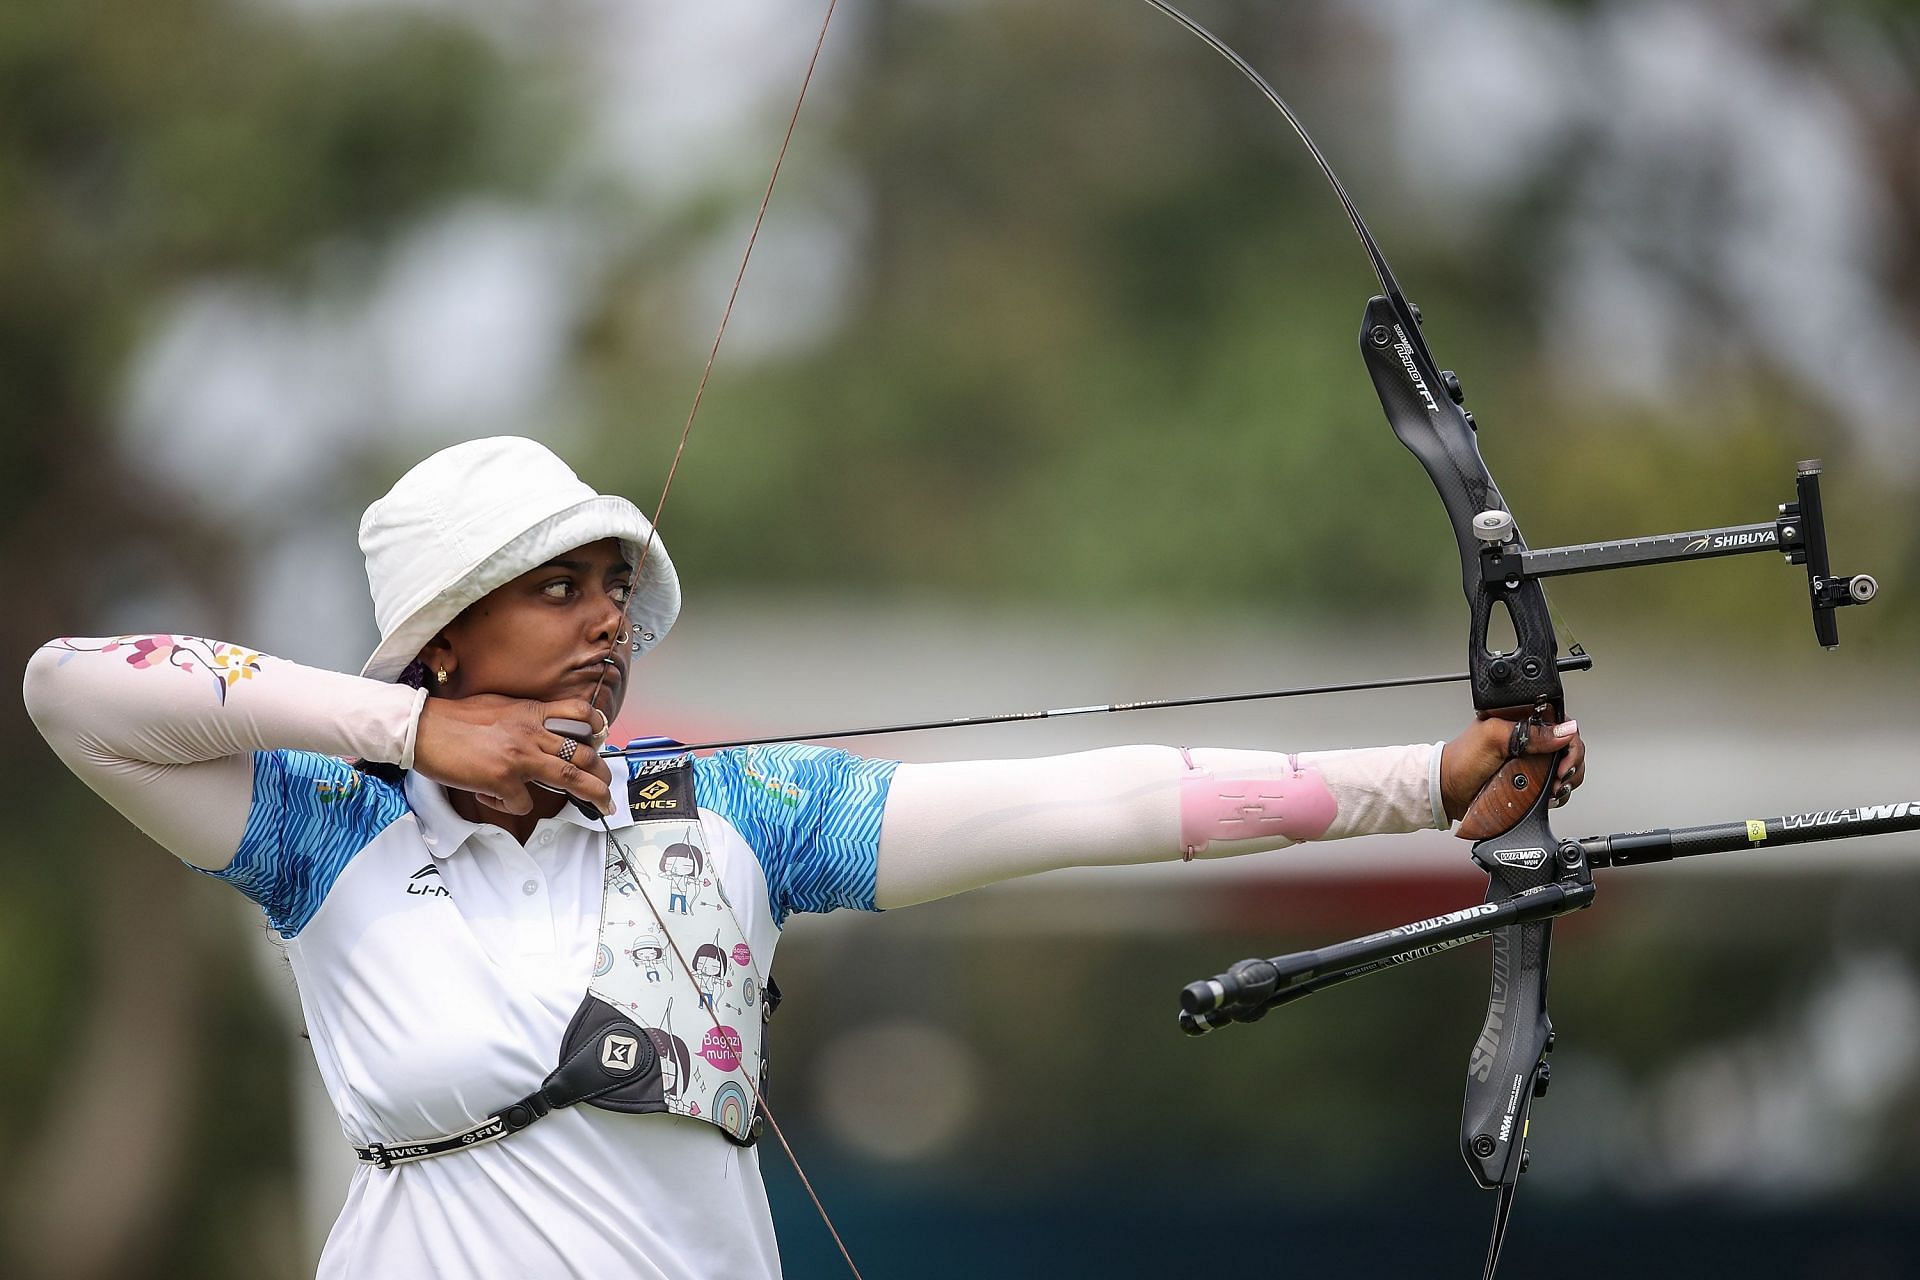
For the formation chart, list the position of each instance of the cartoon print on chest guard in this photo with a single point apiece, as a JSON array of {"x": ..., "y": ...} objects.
[
  {"x": 681, "y": 864},
  {"x": 674, "y": 1056},
  {"x": 649, "y": 952},
  {"x": 709, "y": 972}
]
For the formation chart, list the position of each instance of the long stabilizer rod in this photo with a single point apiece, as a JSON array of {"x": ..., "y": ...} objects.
[
  {"x": 1247, "y": 990},
  {"x": 1635, "y": 848}
]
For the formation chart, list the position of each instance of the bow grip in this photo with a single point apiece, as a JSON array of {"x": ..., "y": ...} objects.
[{"x": 1510, "y": 793}]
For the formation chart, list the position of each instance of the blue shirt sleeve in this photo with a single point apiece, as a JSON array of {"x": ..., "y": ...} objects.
[
  {"x": 811, "y": 814},
  {"x": 311, "y": 813}
]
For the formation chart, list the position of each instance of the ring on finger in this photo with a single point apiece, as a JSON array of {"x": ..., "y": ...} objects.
[{"x": 567, "y": 751}]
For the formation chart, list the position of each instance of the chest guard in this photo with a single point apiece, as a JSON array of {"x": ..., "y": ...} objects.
[
  {"x": 674, "y": 1019},
  {"x": 678, "y": 1002}
]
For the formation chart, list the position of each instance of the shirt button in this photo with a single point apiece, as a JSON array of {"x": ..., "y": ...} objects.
[
  {"x": 530, "y": 888},
  {"x": 546, "y": 837}
]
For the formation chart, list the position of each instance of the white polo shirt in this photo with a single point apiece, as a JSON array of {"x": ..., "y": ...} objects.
[{"x": 439, "y": 963}]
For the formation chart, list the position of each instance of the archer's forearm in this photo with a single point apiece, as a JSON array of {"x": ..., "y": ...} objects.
[{"x": 958, "y": 826}]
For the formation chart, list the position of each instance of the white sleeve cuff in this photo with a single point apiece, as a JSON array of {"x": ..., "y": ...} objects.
[{"x": 413, "y": 730}]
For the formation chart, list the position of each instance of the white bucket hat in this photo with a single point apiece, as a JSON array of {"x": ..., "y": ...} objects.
[{"x": 474, "y": 517}]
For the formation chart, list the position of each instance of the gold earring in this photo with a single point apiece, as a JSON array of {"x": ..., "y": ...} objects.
[{"x": 441, "y": 675}]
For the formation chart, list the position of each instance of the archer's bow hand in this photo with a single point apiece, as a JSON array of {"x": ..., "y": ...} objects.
[{"x": 1491, "y": 773}]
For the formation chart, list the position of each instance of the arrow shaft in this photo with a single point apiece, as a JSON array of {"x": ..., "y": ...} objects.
[{"x": 1571, "y": 662}]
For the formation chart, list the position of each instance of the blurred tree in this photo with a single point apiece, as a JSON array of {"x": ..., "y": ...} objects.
[
  {"x": 143, "y": 146},
  {"x": 1101, "y": 345}
]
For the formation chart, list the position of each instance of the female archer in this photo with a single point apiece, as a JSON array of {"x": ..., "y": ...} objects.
[{"x": 511, "y": 599}]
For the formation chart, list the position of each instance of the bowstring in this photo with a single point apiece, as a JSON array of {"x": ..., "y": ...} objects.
[
  {"x": 625, "y": 856},
  {"x": 653, "y": 533},
  {"x": 753, "y": 236}
]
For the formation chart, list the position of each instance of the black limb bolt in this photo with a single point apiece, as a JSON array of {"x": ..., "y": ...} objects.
[
  {"x": 1541, "y": 1079},
  {"x": 1483, "y": 1146}
]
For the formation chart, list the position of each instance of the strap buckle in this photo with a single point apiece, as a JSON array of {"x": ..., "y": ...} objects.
[{"x": 375, "y": 1154}]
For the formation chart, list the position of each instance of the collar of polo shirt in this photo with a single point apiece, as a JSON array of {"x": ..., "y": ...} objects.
[{"x": 445, "y": 832}]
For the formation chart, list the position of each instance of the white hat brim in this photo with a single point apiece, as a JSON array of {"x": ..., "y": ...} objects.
[{"x": 653, "y": 606}]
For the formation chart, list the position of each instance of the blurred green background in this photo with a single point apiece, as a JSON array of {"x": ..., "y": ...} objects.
[{"x": 1041, "y": 389}]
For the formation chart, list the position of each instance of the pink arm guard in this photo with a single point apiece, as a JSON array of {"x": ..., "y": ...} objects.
[{"x": 1296, "y": 805}]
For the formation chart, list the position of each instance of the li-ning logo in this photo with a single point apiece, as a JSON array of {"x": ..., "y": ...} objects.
[
  {"x": 1525, "y": 859},
  {"x": 417, "y": 883},
  {"x": 1404, "y": 349},
  {"x": 1724, "y": 541},
  {"x": 617, "y": 1052},
  {"x": 648, "y": 797}
]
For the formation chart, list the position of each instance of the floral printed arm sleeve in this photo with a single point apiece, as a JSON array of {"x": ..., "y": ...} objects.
[{"x": 165, "y": 727}]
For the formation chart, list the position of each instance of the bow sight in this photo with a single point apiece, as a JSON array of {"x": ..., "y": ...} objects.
[
  {"x": 1532, "y": 875},
  {"x": 1799, "y": 532}
]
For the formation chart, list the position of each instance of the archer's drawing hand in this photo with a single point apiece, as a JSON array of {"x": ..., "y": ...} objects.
[
  {"x": 497, "y": 747},
  {"x": 1470, "y": 760}
]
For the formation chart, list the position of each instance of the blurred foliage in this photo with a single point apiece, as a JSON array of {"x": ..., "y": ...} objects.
[
  {"x": 144, "y": 146},
  {"x": 1104, "y": 350}
]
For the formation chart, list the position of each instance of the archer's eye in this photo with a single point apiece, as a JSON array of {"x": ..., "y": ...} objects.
[
  {"x": 621, "y": 592},
  {"x": 558, "y": 589}
]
